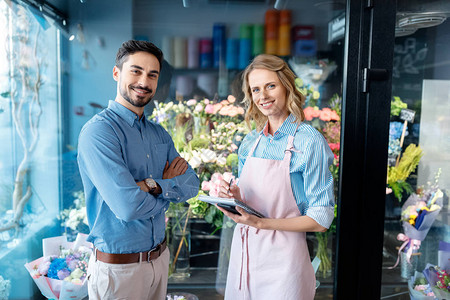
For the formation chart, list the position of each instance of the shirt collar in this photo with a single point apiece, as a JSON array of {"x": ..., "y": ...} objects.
[
  {"x": 289, "y": 127},
  {"x": 123, "y": 112}
]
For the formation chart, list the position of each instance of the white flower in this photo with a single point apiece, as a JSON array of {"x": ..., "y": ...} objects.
[
  {"x": 208, "y": 156},
  {"x": 195, "y": 162},
  {"x": 221, "y": 161}
]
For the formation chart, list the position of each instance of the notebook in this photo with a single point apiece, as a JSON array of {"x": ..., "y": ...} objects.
[{"x": 230, "y": 205}]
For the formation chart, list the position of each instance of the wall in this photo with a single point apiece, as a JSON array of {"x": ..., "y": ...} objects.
[{"x": 106, "y": 24}]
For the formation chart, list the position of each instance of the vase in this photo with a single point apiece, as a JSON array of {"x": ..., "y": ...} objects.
[
  {"x": 407, "y": 269},
  {"x": 226, "y": 237},
  {"x": 180, "y": 243},
  {"x": 324, "y": 253}
]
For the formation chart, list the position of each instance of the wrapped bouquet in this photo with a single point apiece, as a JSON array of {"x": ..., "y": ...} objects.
[
  {"x": 419, "y": 289},
  {"x": 61, "y": 272},
  {"x": 418, "y": 215}
]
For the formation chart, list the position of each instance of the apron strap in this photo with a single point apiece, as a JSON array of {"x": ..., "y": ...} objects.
[
  {"x": 290, "y": 146},
  {"x": 250, "y": 154}
]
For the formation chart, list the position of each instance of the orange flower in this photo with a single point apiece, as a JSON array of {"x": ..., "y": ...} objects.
[{"x": 325, "y": 114}]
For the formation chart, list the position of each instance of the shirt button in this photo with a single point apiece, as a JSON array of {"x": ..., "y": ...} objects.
[
  {"x": 150, "y": 175},
  {"x": 167, "y": 194},
  {"x": 178, "y": 198},
  {"x": 148, "y": 156}
]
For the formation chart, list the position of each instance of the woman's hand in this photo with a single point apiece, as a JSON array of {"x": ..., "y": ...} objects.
[
  {"x": 229, "y": 190},
  {"x": 245, "y": 218}
]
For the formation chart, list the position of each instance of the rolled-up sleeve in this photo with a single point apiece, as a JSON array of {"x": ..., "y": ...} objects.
[{"x": 318, "y": 181}]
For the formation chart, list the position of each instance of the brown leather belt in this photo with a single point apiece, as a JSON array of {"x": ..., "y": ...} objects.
[{"x": 129, "y": 258}]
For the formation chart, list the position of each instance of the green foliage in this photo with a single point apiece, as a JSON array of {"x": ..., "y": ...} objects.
[
  {"x": 232, "y": 160},
  {"x": 198, "y": 207},
  {"x": 199, "y": 143},
  {"x": 397, "y": 105}
]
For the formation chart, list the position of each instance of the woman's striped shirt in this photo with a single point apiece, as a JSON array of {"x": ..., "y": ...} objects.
[{"x": 311, "y": 179}]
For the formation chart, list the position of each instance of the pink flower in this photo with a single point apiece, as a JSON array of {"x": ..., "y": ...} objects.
[
  {"x": 216, "y": 107},
  {"x": 311, "y": 113},
  {"x": 325, "y": 114},
  {"x": 241, "y": 111},
  {"x": 227, "y": 176},
  {"x": 214, "y": 192},
  {"x": 198, "y": 107},
  {"x": 231, "y": 98},
  {"x": 206, "y": 101},
  {"x": 334, "y": 116},
  {"x": 234, "y": 111},
  {"x": 224, "y": 102},
  {"x": 191, "y": 102},
  {"x": 216, "y": 177},
  {"x": 334, "y": 146},
  {"x": 206, "y": 186},
  {"x": 209, "y": 109}
]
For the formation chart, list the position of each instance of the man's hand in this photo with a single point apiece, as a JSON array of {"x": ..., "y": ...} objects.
[
  {"x": 178, "y": 167},
  {"x": 143, "y": 186}
]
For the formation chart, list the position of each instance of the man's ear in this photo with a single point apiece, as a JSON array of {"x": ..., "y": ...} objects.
[{"x": 116, "y": 73}]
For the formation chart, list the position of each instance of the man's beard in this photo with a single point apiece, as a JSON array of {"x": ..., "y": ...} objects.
[{"x": 140, "y": 102}]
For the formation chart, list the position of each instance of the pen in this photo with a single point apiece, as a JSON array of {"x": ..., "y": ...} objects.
[{"x": 229, "y": 186}]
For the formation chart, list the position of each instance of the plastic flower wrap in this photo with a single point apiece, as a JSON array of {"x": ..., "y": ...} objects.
[
  {"x": 438, "y": 276},
  {"x": 439, "y": 281},
  {"x": 419, "y": 289},
  {"x": 61, "y": 272},
  {"x": 418, "y": 215}
]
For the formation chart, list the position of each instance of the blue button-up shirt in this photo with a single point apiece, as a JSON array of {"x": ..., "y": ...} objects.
[
  {"x": 116, "y": 149},
  {"x": 311, "y": 179}
]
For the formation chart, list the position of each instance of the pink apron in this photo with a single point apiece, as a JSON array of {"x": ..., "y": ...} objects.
[{"x": 269, "y": 264}]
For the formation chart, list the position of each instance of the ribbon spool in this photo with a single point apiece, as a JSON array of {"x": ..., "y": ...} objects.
[
  {"x": 232, "y": 54},
  {"x": 179, "y": 50},
  {"x": 218, "y": 44},
  {"x": 193, "y": 54},
  {"x": 205, "y": 46},
  {"x": 258, "y": 39}
]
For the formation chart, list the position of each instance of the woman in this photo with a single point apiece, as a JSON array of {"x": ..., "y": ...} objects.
[{"x": 284, "y": 174}]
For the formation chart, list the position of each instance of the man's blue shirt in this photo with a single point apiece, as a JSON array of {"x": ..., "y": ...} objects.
[{"x": 116, "y": 150}]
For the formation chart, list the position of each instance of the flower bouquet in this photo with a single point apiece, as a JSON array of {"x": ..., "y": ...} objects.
[
  {"x": 438, "y": 276},
  {"x": 439, "y": 280},
  {"x": 419, "y": 289},
  {"x": 418, "y": 215},
  {"x": 61, "y": 272}
]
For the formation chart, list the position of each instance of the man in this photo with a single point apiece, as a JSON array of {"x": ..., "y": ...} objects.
[{"x": 130, "y": 172}]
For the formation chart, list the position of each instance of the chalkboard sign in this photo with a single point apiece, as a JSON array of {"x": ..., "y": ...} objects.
[{"x": 407, "y": 115}]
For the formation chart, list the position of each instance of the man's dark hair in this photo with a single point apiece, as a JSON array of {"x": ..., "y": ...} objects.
[{"x": 133, "y": 46}]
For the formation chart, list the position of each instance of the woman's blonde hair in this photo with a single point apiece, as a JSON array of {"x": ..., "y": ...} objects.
[{"x": 294, "y": 99}]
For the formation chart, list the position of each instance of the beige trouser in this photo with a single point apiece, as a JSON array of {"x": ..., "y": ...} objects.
[{"x": 145, "y": 280}]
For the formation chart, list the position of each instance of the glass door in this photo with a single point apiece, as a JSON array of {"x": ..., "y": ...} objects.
[{"x": 416, "y": 226}]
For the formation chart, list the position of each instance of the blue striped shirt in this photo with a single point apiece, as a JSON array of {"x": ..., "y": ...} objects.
[
  {"x": 311, "y": 179},
  {"x": 116, "y": 149}
]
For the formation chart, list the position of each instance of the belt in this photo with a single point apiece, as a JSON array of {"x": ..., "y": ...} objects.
[{"x": 129, "y": 258}]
